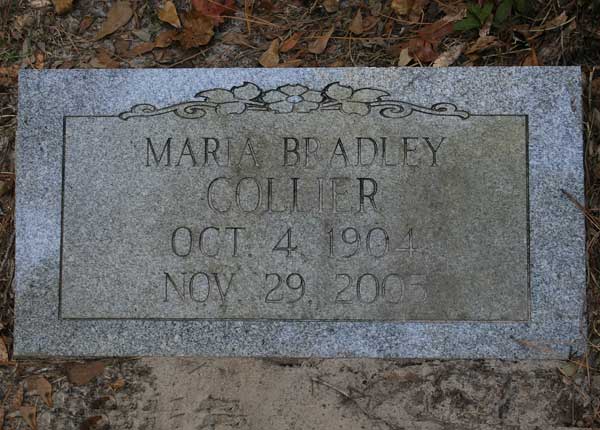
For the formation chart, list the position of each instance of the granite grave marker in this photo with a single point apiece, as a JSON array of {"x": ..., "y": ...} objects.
[{"x": 306, "y": 212}]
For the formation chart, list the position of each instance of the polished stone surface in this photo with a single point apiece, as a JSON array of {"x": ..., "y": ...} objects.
[{"x": 306, "y": 212}]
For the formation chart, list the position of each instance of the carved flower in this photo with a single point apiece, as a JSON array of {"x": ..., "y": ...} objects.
[
  {"x": 352, "y": 101},
  {"x": 292, "y": 98},
  {"x": 232, "y": 101}
]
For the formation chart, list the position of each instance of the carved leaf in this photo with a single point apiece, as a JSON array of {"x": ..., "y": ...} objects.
[
  {"x": 218, "y": 95},
  {"x": 273, "y": 96},
  {"x": 248, "y": 91},
  {"x": 368, "y": 95},
  {"x": 338, "y": 92},
  {"x": 230, "y": 108},
  {"x": 358, "y": 108}
]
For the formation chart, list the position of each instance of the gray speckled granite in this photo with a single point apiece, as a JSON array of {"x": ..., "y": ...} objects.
[{"x": 499, "y": 322}]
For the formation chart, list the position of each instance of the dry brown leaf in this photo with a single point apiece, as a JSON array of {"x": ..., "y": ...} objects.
[
  {"x": 169, "y": 15},
  {"x": 118, "y": 384},
  {"x": 531, "y": 59},
  {"x": 1, "y": 417},
  {"x": 80, "y": 374},
  {"x": 62, "y": 6},
  {"x": 96, "y": 422},
  {"x": 331, "y": 5},
  {"x": 197, "y": 30},
  {"x": 356, "y": 26},
  {"x": 553, "y": 23},
  {"x": 40, "y": 386},
  {"x": 435, "y": 32},
  {"x": 104, "y": 59},
  {"x": 421, "y": 50},
  {"x": 67, "y": 65},
  {"x": 402, "y": 7},
  {"x": 404, "y": 57},
  {"x": 140, "y": 49},
  {"x": 9, "y": 71},
  {"x": 484, "y": 42},
  {"x": 291, "y": 42},
  {"x": 119, "y": 14},
  {"x": 290, "y": 63},
  {"x": 270, "y": 58},
  {"x": 214, "y": 9},
  {"x": 165, "y": 38},
  {"x": 417, "y": 10},
  {"x": 369, "y": 22},
  {"x": 28, "y": 413},
  {"x": 450, "y": 56},
  {"x": 40, "y": 60},
  {"x": 86, "y": 22},
  {"x": 16, "y": 399},
  {"x": 319, "y": 45},
  {"x": 235, "y": 38},
  {"x": 121, "y": 46},
  {"x": 142, "y": 34}
]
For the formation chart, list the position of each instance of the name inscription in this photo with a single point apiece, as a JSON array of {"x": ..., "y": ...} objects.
[{"x": 312, "y": 214}]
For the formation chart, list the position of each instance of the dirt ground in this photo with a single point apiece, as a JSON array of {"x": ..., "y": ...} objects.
[{"x": 199, "y": 393}]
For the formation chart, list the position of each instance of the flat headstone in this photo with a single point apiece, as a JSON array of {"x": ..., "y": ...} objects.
[{"x": 307, "y": 212}]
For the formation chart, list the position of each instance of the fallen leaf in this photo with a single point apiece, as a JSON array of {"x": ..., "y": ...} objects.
[
  {"x": 291, "y": 42},
  {"x": 320, "y": 43},
  {"x": 450, "y": 56},
  {"x": 356, "y": 26},
  {"x": 421, "y": 50},
  {"x": 435, "y": 32},
  {"x": 165, "y": 38},
  {"x": 483, "y": 42},
  {"x": 270, "y": 58},
  {"x": 417, "y": 10},
  {"x": 119, "y": 14},
  {"x": 331, "y": 5},
  {"x": 485, "y": 29},
  {"x": 553, "y": 23},
  {"x": 142, "y": 34},
  {"x": 290, "y": 63},
  {"x": 235, "y": 38},
  {"x": 140, "y": 49},
  {"x": 38, "y": 385},
  {"x": 28, "y": 413},
  {"x": 86, "y": 22},
  {"x": 107, "y": 60},
  {"x": 369, "y": 22},
  {"x": 169, "y": 15},
  {"x": 17, "y": 398},
  {"x": 118, "y": 384},
  {"x": 531, "y": 59},
  {"x": 62, "y": 6},
  {"x": 40, "y": 60},
  {"x": 569, "y": 369},
  {"x": 214, "y": 9},
  {"x": 1, "y": 417},
  {"x": 96, "y": 422},
  {"x": 121, "y": 46},
  {"x": 402, "y": 7},
  {"x": 3, "y": 349},
  {"x": 197, "y": 30},
  {"x": 104, "y": 59},
  {"x": 104, "y": 402},
  {"x": 67, "y": 65},
  {"x": 80, "y": 374},
  {"x": 404, "y": 57}
]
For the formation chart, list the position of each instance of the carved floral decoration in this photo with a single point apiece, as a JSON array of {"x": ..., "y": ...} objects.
[{"x": 294, "y": 98}]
